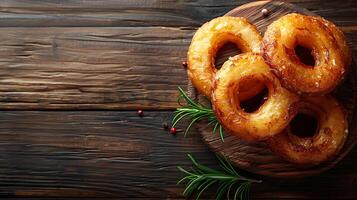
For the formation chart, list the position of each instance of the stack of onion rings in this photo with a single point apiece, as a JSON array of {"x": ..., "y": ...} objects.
[{"x": 273, "y": 63}]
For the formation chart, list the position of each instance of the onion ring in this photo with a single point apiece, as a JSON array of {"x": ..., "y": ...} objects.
[
  {"x": 206, "y": 42},
  {"x": 270, "y": 119},
  {"x": 330, "y": 135},
  {"x": 329, "y": 49}
]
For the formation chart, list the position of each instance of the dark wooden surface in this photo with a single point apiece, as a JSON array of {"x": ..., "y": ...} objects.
[{"x": 73, "y": 74}]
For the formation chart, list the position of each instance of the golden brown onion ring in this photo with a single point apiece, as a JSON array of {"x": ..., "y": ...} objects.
[
  {"x": 331, "y": 133},
  {"x": 270, "y": 119},
  {"x": 209, "y": 38},
  {"x": 328, "y": 46}
]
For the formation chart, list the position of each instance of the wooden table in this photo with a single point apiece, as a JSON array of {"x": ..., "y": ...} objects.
[{"x": 73, "y": 73}]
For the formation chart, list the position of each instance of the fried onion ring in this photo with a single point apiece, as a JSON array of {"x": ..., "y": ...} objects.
[
  {"x": 271, "y": 117},
  {"x": 329, "y": 49},
  {"x": 330, "y": 135},
  {"x": 207, "y": 41}
]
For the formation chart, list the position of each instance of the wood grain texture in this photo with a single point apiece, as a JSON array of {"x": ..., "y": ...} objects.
[
  {"x": 110, "y": 54},
  {"x": 91, "y": 154},
  {"x": 87, "y": 68},
  {"x": 257, "y": 157},
  {"x": 116, "y": 55},
  {"x": 118, "y": 154}
]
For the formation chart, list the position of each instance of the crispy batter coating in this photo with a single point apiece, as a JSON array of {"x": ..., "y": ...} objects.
[
  {"x": 329, "y": 49},
  {"x": 207, "y": 41},
  {"x": 270, "y": 119},
  {"x": 340, "y": 39},
  {"x": 328, "y": 140}
]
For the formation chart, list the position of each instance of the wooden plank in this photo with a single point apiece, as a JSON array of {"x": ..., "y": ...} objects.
[
  {"x": 110, "y": 13},
  {"x": 90, "y": 154},
  {"x": 91, "y": 68},
  {"x": 118, "y": 154}
]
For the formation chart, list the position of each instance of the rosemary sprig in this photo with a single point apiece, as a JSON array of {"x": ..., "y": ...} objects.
[
  {"x": 196, "y": 112},
  {"x": 228, "y": 180}
]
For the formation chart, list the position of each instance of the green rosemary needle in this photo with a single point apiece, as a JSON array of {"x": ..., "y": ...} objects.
[
  {"x": 228, "y": 181},
  {"x": 196, "y": 112}
]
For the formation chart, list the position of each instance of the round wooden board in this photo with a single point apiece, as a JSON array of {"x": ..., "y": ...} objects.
[{"x": 256, "y": 157}]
